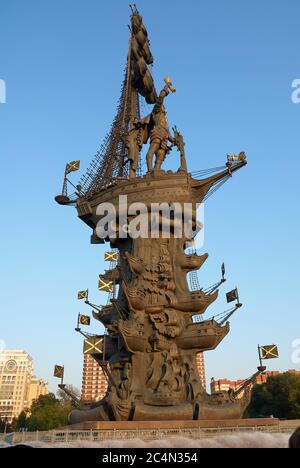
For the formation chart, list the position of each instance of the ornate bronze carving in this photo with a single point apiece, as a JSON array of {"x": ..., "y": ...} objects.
[{"x": 152, "y": 335}]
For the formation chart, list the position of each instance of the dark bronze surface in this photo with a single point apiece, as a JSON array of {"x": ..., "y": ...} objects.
[{"x": 152, "y": 338}]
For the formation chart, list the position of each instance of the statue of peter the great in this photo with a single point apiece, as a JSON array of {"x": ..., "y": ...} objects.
[{"x": 156, "y": 128}]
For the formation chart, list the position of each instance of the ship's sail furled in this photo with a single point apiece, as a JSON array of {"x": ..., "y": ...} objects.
[
  {"x": 110, "y": 160},
  {"x": 141, "y": 56}
]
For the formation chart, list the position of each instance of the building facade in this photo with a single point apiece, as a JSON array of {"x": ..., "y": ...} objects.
[
  {"x": 36, "y": 388},
  {"x": 18, "y": 386},
  {"x": 94, "y": 383},
  {"x": 225, "y": 384}
]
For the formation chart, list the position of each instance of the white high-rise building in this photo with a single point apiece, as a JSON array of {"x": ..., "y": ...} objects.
[{"x": 18, "y": 386}]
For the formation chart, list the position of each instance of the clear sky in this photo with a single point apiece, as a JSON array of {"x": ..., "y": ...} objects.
[{"x": 233, "y": 64}]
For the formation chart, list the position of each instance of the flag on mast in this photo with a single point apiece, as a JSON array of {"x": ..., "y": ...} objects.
[
  {"x": 72, "y": 167},
  {"x": 59, "y": 371},
  {"x": 269, "y": 352},
  {"x": 232, "y": 295}
]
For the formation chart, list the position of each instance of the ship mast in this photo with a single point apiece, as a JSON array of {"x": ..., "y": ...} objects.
[{"x": 109, "y": 162}]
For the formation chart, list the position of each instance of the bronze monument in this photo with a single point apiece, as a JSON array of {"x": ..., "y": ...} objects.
[{"x": 154, "y": 325}]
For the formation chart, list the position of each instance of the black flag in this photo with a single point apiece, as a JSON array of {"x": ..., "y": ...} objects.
[
  {"x": 232, "y": 295},
  {"x": 58, "y": 371},
  {"x": 94, "y": 345},
  {"x": 111, "y": 256},
  {"x": 84, "y": 320},
  {"x": 269, "y": 352},
  {"x": 82, "y": 295}
]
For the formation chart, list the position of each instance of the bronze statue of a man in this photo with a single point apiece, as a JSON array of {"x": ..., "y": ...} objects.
[
  {"x": 158, "y": 131},
  {"x": 156, "y": 127},
  {"x": 134, "y": 144}
]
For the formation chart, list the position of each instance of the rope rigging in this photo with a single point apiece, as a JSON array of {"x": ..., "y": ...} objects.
[
  {"x": 108, "y": 161},
  {"x": 200, "y": 174}
]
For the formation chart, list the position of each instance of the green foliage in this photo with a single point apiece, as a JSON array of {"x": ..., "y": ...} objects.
[
  {"x": 47, "y": 412},
  {"x": 2, "y": 426},
  {"x": 21, "y": 422},
  {"x": 279, "y": 396}
]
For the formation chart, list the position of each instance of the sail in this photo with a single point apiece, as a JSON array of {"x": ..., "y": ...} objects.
[
  {"x": 141, "y": 57},
  {"x": 110, "y": 160}
]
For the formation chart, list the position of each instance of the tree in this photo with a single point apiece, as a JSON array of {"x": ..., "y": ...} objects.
[
  {"x": 47, "y": 412},
  {"x": 4, "y": 426},
  {"x": 21, "y": 422},
  {"x": 279, "y": 396}
]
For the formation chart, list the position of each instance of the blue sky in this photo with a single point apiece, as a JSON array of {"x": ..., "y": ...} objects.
[{"x": 233, "y": 64}]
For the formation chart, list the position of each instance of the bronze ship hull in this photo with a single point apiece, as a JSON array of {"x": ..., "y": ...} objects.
[{"x": 203, "y": 336}]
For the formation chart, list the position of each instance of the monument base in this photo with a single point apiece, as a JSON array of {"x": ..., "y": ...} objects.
[{"x": 165, "y": 425}]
